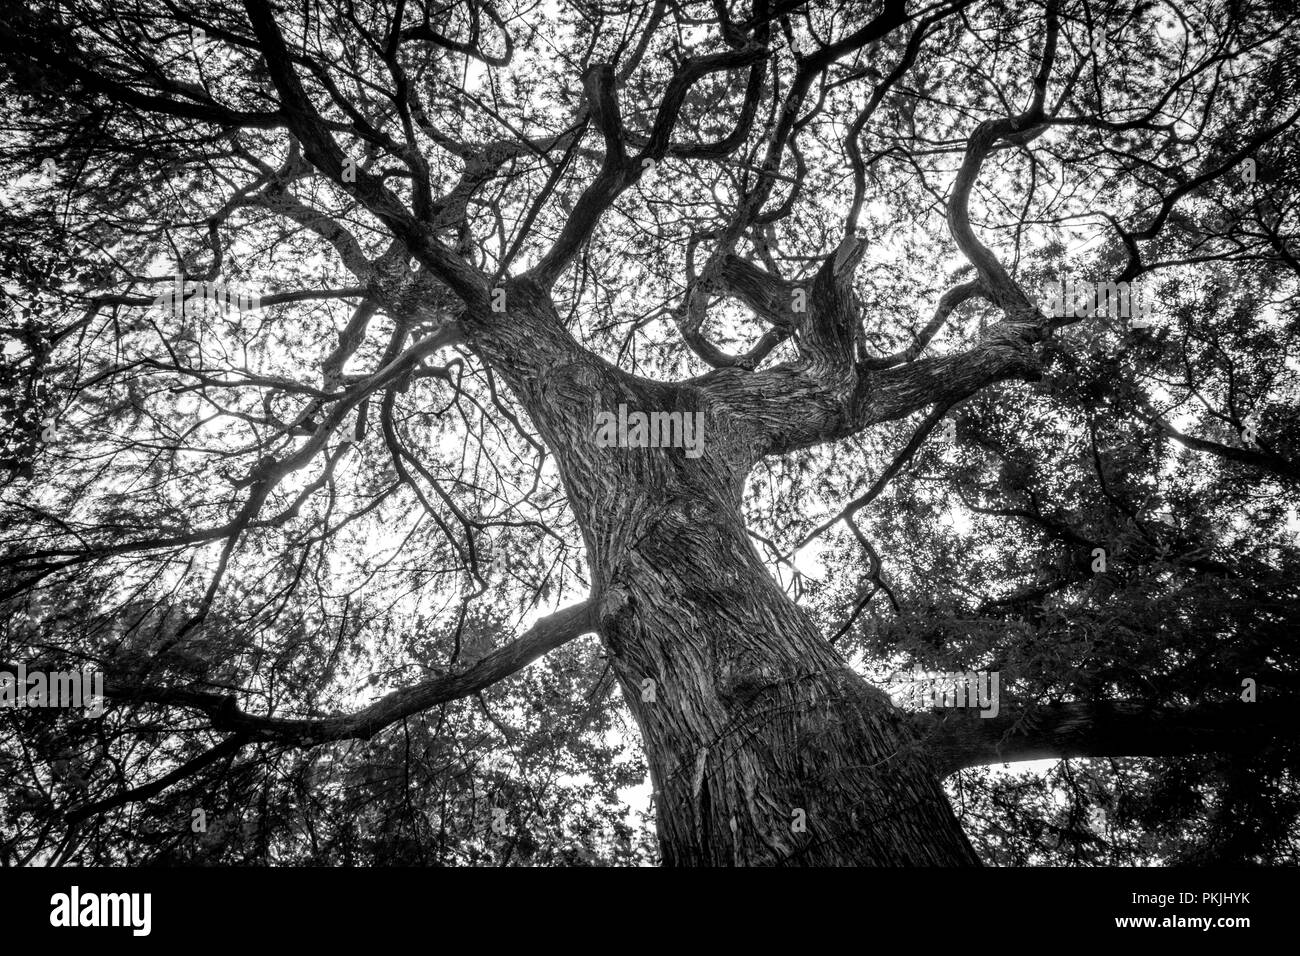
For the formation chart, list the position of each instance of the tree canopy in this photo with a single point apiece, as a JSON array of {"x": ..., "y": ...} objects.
[{"x": 258, "y": 473}]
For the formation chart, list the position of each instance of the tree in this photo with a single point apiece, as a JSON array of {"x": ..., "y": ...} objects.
[{"x": 347, "y": 339}]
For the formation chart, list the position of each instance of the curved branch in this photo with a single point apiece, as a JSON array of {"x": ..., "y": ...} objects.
[
  {"x": 768, "y": 295},
  {"x": 947, "y": 303},
  {"x": 426, "y": 32},
  {"x": 547, "y": 634}
]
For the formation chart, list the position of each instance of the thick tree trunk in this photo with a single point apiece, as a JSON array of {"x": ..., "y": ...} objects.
[{"x": 764, "y": 748}]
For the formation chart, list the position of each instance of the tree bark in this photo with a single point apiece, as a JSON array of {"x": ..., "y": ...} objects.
[{"x": 763, "y": 747}]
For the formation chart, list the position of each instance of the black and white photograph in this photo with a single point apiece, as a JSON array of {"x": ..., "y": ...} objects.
[{"x": 576, "y": 434}]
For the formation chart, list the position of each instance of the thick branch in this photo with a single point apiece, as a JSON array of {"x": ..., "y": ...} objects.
[
  {"x": 770, "y": 296},
  {"x": 962, "y": 738},
  {"x": 547, "y": 634}
]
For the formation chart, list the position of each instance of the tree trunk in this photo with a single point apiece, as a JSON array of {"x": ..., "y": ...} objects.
[{"x": 764, "y": 748}]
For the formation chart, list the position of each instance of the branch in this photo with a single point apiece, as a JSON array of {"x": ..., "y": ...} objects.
[
  {"x": 547, "y": 634},
  {"x": 961, "y": 738},
  {"x": 767, "y": 294},
  {"x": 793, "y": 410},
  {"x": 850, "y": 510},
  {"x": 1274, "y": 464},
  {"x": 947, "y": 303},
  {"x": 617, "y": 171},
  {"x": 35, "y": 51},
  {"x": 227, "y": 748},
  {"x": 600, "y": 85},
  {"x": 1024, "y": 319},
  {"x": 324, "y": 153},
  {"x": 277, "y": 298},
  {"x": 426, "y": 32}
]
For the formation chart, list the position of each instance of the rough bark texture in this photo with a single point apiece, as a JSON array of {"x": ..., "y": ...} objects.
[{"x": 752, "y": 717}]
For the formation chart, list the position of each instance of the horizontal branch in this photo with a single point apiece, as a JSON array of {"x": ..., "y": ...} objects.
[
  {"x": 961, "y": 738},
  {"x": 276, "y": 298}
]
